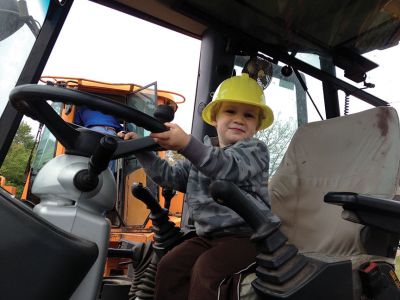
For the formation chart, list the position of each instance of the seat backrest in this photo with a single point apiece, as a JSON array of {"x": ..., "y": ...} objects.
[{"x": 356, "y": 153}]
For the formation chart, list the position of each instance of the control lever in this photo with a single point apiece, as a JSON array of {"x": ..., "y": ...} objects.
[
  {"x": 166, "y": 233},
  {"x": 277, "y": 261},
  {"x": 166, "y": 236},
  {"x": 228, "y": 194},
  {"x": 143, "y": 194},
  {"x": 168, "y": 194},
  {"x": 87, "y": 179}
]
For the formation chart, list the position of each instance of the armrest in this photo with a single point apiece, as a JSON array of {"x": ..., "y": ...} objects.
[{"x": 368, "y": 209}]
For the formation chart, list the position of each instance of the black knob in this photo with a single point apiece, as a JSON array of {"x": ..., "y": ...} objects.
[
  {"x": 164, "y": 113},
  {"x": 143, "y": 193},
  {"x": 286, "y": 71},
  {"x": 168, "y": 194}
]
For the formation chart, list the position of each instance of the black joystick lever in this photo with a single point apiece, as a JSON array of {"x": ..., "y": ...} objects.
[
  {"x": 278, "y": 261},
  {"x": 168, "y": 194},
  {"x": 87, "y": 179},
  {"x": 166, "y": 234},
  {"x": 143, "y": 193},
  {"x": 228, "y": 194}
]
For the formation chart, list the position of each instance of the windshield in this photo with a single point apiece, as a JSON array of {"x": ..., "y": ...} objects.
[
  {"x": 116, "y": 47},
  {"x": 380, "y": 81},
  {"x": 20, "y": 23},
  {"x": 144, "y": 100},
  {"x": 46, "y": 147}
]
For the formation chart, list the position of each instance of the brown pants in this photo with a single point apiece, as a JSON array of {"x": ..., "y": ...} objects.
[{"x": 195, "y": 269}]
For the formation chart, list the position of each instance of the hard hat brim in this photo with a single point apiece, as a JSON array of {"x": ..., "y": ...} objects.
[{"x": 268, "y": 115}]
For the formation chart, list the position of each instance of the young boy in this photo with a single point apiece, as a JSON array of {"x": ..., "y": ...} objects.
[{"x": 196, "y": 268}]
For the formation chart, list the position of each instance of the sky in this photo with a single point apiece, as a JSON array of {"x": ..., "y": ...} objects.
[{"x": 386, "y": 78}]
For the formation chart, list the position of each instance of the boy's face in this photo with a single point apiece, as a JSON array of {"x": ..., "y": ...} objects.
[{"x": 235, "y": 122}]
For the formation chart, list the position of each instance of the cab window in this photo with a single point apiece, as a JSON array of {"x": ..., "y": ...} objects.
[
  {"x": 17, "y": 36},
  {"x": 291, "y": 105}
]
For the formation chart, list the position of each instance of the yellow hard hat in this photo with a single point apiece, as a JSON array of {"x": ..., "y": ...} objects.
[{"x": 240, "y": 89}]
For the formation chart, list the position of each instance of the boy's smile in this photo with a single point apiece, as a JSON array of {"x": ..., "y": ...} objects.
[{"x": 235, "y": 122}]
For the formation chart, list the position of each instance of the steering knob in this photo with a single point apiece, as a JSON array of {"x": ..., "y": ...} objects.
[
  {"x": 168, "y": 194},
  {"x": 143, "y": 194},
  {"x": 164, "y": 113},
  {"x": 87, "y": 179}
]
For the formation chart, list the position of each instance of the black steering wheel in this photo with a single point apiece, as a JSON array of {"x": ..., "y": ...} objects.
[{"x": 31, "y": 100}]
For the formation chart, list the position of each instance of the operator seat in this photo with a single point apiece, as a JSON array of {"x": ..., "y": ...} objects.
[
  {"x": 357, "y": 153},
  {"x": 39, "y": 260}
]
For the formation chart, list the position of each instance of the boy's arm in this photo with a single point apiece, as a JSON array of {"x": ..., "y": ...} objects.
[
  {"x": 162, "y": 173},
  {"x": 236, "y": 163},
  {"x": 159, "y": 170}
]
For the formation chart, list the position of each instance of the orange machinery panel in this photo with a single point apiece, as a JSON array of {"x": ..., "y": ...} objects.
[{"x": 9, "y": 188}]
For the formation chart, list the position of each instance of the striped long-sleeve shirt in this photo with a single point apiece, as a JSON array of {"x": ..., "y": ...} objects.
[{"x": 244, "y": 163}]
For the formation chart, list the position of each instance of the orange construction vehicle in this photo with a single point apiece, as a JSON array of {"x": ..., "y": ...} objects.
[{"x": 9, "y": 188}]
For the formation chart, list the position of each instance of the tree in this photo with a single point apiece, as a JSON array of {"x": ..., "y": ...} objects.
[
  {"x": 14, "y": 165},
  {"x": 277, "y": 138},
  {"x": 173, "y": 156}
]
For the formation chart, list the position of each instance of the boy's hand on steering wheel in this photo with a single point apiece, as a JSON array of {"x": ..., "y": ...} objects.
[{"x": 173, "y": 139}]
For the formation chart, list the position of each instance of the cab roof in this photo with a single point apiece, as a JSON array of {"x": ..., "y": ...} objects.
[{"x": 340, "y": 29}]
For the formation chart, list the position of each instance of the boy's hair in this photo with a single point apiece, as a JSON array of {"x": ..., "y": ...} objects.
[{"x": 215, "y": 110}]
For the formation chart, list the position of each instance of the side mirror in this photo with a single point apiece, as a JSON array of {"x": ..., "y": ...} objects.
[
  {"x": 10, "y": 20},
  {"x": 13, "y": 15}
]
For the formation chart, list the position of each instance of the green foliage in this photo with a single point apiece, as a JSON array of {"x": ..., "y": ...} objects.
[
  {"x": 14, "y": 165},
  {"x": 24, "y": 137},
  {"x": 173, "y": 156}
]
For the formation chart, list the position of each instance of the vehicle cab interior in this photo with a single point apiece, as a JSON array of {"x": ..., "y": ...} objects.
[{"x": 334, "y": 150}]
